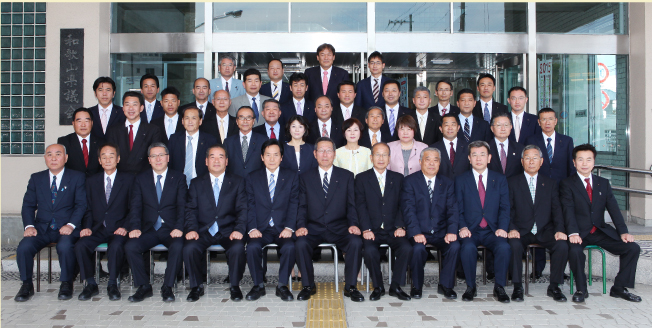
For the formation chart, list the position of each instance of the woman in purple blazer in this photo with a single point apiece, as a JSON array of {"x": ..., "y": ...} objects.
[{"x": 405, "y": 152}]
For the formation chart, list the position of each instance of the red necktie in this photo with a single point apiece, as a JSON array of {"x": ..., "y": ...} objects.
[
  {"x": 481, "y": 191},
  {"x": 85, "y": 152},
  {"x": 589, "y": 190},
  {"x": 452, "y": 156},
  {"x": 131, "y": 137},
  {"x": 271, "y": 134},
  {"x": 443, "y": 111}
]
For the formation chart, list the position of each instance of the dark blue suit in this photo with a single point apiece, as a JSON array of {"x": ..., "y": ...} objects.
[
  {"x": 365, "y": 95},
  {"x": 434, "y": 219},
  {"x": 562, "y": 165},
  {"x": 513, "y": 153},
  {"x": 135, "y": 160},
  {"x": 288, "y": 110},
  {"x": 480, "y": 130},
  {"x": 76, "y": 155},
  {"x": 244, "y": 166},
  {"x": 495, "y": 212},
  {"x": 177, "y": 148},
  {"x": 158, "y": 112},
  {"x": 315, "y": 89},
  {"x": 461, "y": 163},
  {"x": 401, "y": 111},
  {"x": 282, "y": 210},
  {"x": 529, "y": 127},
  {"x": 117, "y": 117},
  {"x": 286, "y": 94},
  {"x": 38, "y": 211},
  {"x": 307, "y": 158}
]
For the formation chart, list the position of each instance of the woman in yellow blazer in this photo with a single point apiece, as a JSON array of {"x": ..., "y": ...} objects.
[
  {"x": 405, "y": 152},
  {"x": 352, "y": 156}
]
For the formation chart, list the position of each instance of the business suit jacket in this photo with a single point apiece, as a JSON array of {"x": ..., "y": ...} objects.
[
  {"x": 401, "y": 111},
  {"x": 230, "y": 213},
  {"x": 514, "y": 166},
  {"x": 177, "y": 148},
  {"x": 336, "y": 133},
  {"x": 261, "y": 208},
  {"x": 315, "y": 89},
  {"x": 211, "y": 127},
  {"x": 161, "y": 121},
  {"x": 288, "y": 110},
  {"x": 562, "y": 158},
  {"x": 480, "y": 130},
  {"x": 365, "y": 95},
  {"x": 581, "y": 214},
  {"x": 396, "y": 162},
  {"x": 69, "y": 206},
  {"x": 115, "y": 212},
  {"x": 529, "y": 127},
  {"x": 280, "y": 135},
  {"x": 365, "y": 139},
  {"x": 453, "y": 110},
  {"x": 210, "y": 109},
  {"x": 376, "y": 209},
  {"x": 334, "y": 212},
  {"x": 545, "y": 211},
  {"x": 158, "y": 112},
  {"x": 117, "y": 116},
  {"x": 244, "y": 166},
  {"x": 357, "y": 112},
  {"x": 307, "y": 158},
  {"x": 134, "y": 161},
  {"x": 236, "y": 88},
  {"x": 432, "y": 133},
  {"x": 145, "y": 207},
  {"x": 439, "y": 217},
  {"x": 286, "y": 94},
  {"x": 496, "y": 108},
  {"x": 496, "y": 202},
  {"x": 76, "y": 155},
  {"x": 243, "y": 100},
  {"x": 461, "y": 163}
]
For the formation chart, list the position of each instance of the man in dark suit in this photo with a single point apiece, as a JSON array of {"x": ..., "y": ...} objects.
[
  {"x": 524, "y": 124},
  {"x": 105, "y": 113},
  {"x": 105, "y": 220},
  {"x": 298, "y": 104},
  {"x": 505, "y": 153},
  {"x": 473, "y": 128},
  {"x": 536, "y": 218},
  {"x": 201, "y": 90},
  {"x": 324, "y": 79},
  {"x": 426, "y": 118},
  {"x": 454, "y": 150},
  {"x": 483, "y": 200},
  {"x": 216, "y": 214},
  {"x": 370, "y": 90},
  {"x": 276, "y": 88},
  {"x": 431, "y": 216},
  {"x": 444, "y": 92},
  {"x": 156, "y": 217},
  {"x": 133, "y": 135},
  {"x": 347, "y": 109},
  {"x": 187, "y": 147},
  {"x": 327, "y": 215},
  {"x": 169, "y": 123},
  {"x": 149, "y": 88},
  {"x": 53, "y": 207},
  {"x": 245, "y": 146},
  {"x": 82, "y": 145},
  {"x": 487, "y": 107},
  {"x": 273, "y": 199},
  {"x": 584, "y": 199},
  {"x": 377, "y": 200},
  {"x": 326, "y": 125},
  {"x": 557, "y": 148},
  {"x": 272, "y": 128},
  {"x": 222, "y": 125},
  {"x": 393, "y": 110},
  {"x": 375, "y": 131}
]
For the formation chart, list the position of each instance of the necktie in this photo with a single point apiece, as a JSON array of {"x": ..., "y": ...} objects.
[
  {"x": 589, "y": 190},
  {"x": 149, "y": 112},
  {"x": 374, "y": 140},
  {"x": 517, "y": 128},
  {"x": 324, "y": 132},
  {"x": 245, "y": 147},
  {"x": 324, "y": 82},
  {"x": 131, "y": 137},
  {"x": 481, "y": 192},
  {"x": 467, "y": 130},
  {"x": 222, "y": 132},
  {"x": 272, "y": 135},
  {"x": 422, "y": 126},
  {"x": 189, "y": 161},
  {"x": 201, "y": 108},
  {"x": 275, "y": 94},
  {"x": 170, "y": 128},
  {"x": 503, "y": 157},
  {"x": 532, "y": 193},
  {"x": 104, "y": 119},
  {"x": 443, "y": 111},
  {"x": 487, "y": 115},
  {"x": 107, "y": 193},
  {"x": 325, "y": 184},
  {"x": 430, "y": 191},
  {"x": 85, "y": 152},
  {"x": 392, "y": 121},
  {"x": 254, "y": 106},
  {"x": 347, "y": 114},
  {"x": 227, "y": 87},
  {"x": 272, "y": 187},
  {"x": 216, "y": 193},
  {"x": 299, "y": 108},
  {"x": 382, "y": 185},
  {"x": 549, "y": 150},
  {"x": 452, "y": 155},
  {"x": 53, "y": 191},
  {"x": 159, "y": 191},
  {"x": 376, "y": 90}
]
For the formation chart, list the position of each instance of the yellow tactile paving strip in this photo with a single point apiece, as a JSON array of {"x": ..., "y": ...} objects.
[
  {"x": 326, "y": 308},
  {"x": 643, "y": 237}
]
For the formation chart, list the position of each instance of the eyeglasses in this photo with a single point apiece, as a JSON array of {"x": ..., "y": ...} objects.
[
  {"x": 246, "y": 118},
  {"x": 157, "y": 156},
  {"x": 325, "y": 151}
]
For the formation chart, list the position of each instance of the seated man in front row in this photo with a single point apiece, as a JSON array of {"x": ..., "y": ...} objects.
[{"x": 327, "y": 215}]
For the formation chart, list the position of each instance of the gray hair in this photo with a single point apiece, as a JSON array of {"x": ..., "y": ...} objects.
[
  {"x": 158, "y": 144},
  {"x": 478, "y": 144},
  {"x": 430, "y": 149},
  {"x": 528, "y": 147},
  {"x": 378, "y": 108},
  {"x": 418, "y": 89},
  {"x": 228, "y": 56},
  {"x": 320, "y": 139}
]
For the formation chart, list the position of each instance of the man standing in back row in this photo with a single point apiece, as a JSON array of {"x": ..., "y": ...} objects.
[
  {"x": 487, "y": 107},
  {"x": 324, "y": 79}
]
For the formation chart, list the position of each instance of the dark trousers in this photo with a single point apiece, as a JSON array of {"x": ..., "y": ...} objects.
[
  {"x": 85, "y": 252},
  {"x": 469, "y": 255},
  {"x": 29, "y": 246},
  {"x": 194, "y": 257},
  {"x": 349, "y": 244},
  {"x": 449, "y": 252},
  {"x": 401, "y": 251},
  {"x": 628, "y": 253},
  {"x": 135, "y": 247},
  {"x": 558, "y": 256},
  {"x": 255, "y": 256}
]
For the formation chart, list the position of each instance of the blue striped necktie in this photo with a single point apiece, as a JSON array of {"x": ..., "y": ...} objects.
[
  {"x": 216, "y": 193},
  {"x": 53, "y": 191},
  {"x": 159, "y": 191},
  {"x": 272, "y": 188},
  {"x": 549, "y": 149},
  {"x": 325, "y": 184}
]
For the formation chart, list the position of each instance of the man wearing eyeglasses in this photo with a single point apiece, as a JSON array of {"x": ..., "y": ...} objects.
[
  {"x": 444, "y": 92},
  {"x": 244, "y": 148},
  {"x": 505, "y": 153},
  {"x": 370, "y": 90},
  {"x": 524, "y": 124},
  {"x": 226, "y": 81}
]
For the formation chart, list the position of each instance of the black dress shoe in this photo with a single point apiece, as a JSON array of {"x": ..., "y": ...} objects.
[
  {"x": 236, "y": 293},
  {"x": 88, "y": 292},
  {"x": 490, "y": 275},
  {"x": 26, "y": 291},
  {"x": 449, "y": 293},
  {"x": 517, "y": 294},
  {"x": 143, "y": 292},
  {"x": 65, "y": 291},
  {"x": 113, "y": 292},
  {"x": 377, "y": 293},
  {"x": 305, "y": 293},
  {"x": 399, "y": 293},
  {"x": 624, "y": 294},
  {"x": 556, "y": 294},
  {"x": 501, "y": 295},
  {"x": 416, "y": 293},
  {"x": 284, "y": 293},
  {"x": 579, "y": 296},
  {"x": 255, "y": 293},
  {"x": 166, "y": 294},
  {"x": 353, "y": 293},
  {"x": 195, "y": 293},
  {"x": 469, "y": 294}
]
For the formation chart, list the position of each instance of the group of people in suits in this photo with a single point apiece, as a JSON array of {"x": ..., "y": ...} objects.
[{"x": 318, "y": 160}]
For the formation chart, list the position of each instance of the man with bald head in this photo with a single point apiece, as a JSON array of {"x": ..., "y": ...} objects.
[
  {"x": 201, "y": 90},
  {"x": 220, "y": 125},
  {"x": 326, "y": 125}
]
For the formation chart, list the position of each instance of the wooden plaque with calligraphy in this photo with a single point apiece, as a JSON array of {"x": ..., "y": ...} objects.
[{"x": 71, "y": 73}]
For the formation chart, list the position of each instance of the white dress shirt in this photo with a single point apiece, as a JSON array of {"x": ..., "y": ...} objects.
[
  {"x": 441, "y": 108},
  {"x": 226, "y": 124},
  {"x": 112, "y": 176},
  {"x": 257, "y": 97},
  {"x": 328, "y": 76},
  {"x": 302, "y": 105},
  {"x": 344, "y": 109},
  {"x": 371, "y": 135},
  {"x": 164, "y": 174},
  {"x": 149, "y": 115},
  {"x": 202, "y": 107},
  {"x": 432, "y": 184},
  {"x": 463, "y": 120},
  {"x": 504, "y": 143},
  {"x": 387, "y": 112},
  {"x": 279, "y": 87},
  {"x": 328, "y": 126},
  {"x": 321, "y": 174},
  {"x": 248, "y": 138},
  {"x": 108, "y": 109},
  {"x": 171, "y": 124},
  {"x": 476, "y": 175},
  {"x": 552, "y": 142},
  {"x": 584, "y": 181},
  {"x": 447, "y": 145},
  {"x": 88, "y": 143},
  {"x": 134, "y": 128},
  {"x": 482, "y": 103},
  {"x": 224, "y": 81},
  {"x": 219, "y": 179},
  {"x": 528, "y": 177},
  {"x": 517, "y": 118}
]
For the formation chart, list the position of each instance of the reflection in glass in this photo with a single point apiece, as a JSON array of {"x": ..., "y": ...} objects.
[
  {"x": 329, "y": 17},
  {"x": 490, "y": 17},
  {"x": 254, "y": 17},
  {"x": 156, "y": 17},
  {"x": 412, "y": 17},
  {"x": 582, "y": 18}
]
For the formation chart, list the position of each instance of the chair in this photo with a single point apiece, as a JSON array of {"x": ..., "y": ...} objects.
[
  {"x": 265, "y": 262},
  {"x": 530, "y": 250},
  {"x": 604, "y": 269},
  {"x": 161, "y": 248},
  {"x": 38, "y": 266},
  {"x": 389, "y": 265},
  {"x": 335, "y": 261},
  {"x": 213, "y": 248},
  {"x": 102, "y": 248}
]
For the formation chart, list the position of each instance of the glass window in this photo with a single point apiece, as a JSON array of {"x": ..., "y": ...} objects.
[
  {"x": 250, "y": 17},
  {"x": 582, "y": 18},
  {"x": 156, "y": 17},
  {"x": 329, "y": 17},
  {"x": 412, "y": 17},
  {"x": 490, "y": 17}
]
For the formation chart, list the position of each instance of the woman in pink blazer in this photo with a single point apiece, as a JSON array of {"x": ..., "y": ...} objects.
[{"x": 406, "y": 151}]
